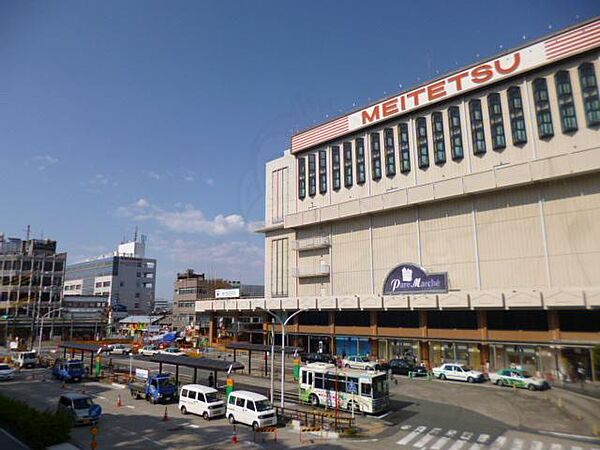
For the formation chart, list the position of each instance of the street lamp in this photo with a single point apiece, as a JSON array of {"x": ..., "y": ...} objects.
[
  {"x": 283, "y": 324},
  {"x": 42, "y": 326}
]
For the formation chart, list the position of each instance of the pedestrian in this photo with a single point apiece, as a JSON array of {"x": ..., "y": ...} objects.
[
  {"x": 211, "y": 380},
  {"x": 581, "y": 374}
]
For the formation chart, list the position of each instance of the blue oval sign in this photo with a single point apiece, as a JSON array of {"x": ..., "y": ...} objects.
[{"x": 95, "y": 411}]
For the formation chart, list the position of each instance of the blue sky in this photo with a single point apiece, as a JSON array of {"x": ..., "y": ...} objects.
[{"x": 162, "y": 114}]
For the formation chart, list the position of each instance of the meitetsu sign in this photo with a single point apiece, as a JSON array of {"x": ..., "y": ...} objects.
[
  {"x": 412, "y": 279},
  {"x": 562, "y": 45}
]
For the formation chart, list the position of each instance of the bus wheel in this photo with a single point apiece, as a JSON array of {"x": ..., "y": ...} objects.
[{"x": 314, "y": 400}]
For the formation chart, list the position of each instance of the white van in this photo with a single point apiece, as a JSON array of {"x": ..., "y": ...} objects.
[
  {"x": 25, "y": 359},
  {"x": 250, "y": 408},
  {"x": 201, "y": 400}
]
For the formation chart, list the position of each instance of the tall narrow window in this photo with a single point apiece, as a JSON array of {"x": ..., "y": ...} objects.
[
  {"x": 456, "y": 143},
  {"x": 477, "y": 131},
  {"x": 322, "y": 171},
  {"x": 312, "y": 175},
  {"x": 566, "y": 104},
  {"x": 404, "y": 148},
  {"x": 422, "y": 144},
  {"x": 359, "y": 148},
  {"x": 390, "y": 150},
  {"x": 517, "y": 116},
  {"x": 542, "y": 108},
  {"x": 347, "y": 164},
  {"x": 279, "y": 267},
  {"x": 589, "y": 89},
  {"x": 301, "y": 178},
  {"x": 375, "y": 156},
  {"x": 335, "y": 156},
  {"x": 439, "y": 145},
  {"x": 496, "y": 121}
]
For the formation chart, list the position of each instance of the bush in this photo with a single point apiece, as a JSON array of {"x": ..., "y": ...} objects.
[{"x": 36, "y": 428}]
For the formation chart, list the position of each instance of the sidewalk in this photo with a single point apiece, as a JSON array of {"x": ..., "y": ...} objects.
[{"x": 588, "y": 389}]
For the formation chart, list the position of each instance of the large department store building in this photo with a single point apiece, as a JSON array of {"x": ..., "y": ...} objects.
[{"x": 455, "y": 221}]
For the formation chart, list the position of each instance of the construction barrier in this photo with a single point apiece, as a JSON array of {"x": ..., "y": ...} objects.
[{"x": 260, "y": 431}]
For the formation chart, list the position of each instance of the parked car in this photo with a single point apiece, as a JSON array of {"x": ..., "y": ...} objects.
[
  {"x": 400, "y": 366},
  {"x": 6, "y": 372},
  {"x": 251, "y": 409},
  {"x": 80, "y": 408},
  {"x": 518, "y": 378},
  {"x": 149, "y": 350},
  {"x": 68, "y": 370},
  {"x": 26, "y": 359},
  {"x": 120, "y": 349},
  {"x": 317, "y": 357},
  {"x": 200, "y": 400},
  {"x": 172, "y": 351},
  {"x": 459, "y": 372},
  {"x": 359, "y": 362},
  {"x": 156, "y": 388}
]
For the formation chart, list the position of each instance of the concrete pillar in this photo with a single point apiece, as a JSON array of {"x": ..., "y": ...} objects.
[
  {"x": 554, "y": 325},
  {"x": 424, "y": 351},
  {"x": 423, "y": 323}
]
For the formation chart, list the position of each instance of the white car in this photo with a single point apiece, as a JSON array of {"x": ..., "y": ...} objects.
[
  {"x": 359, "y": 362},
  {"x": 251, "y": 409},
  {"x": 172, "y": 351},
  {"x": 6, "y": 372},
  {"x": 458, "y": 372},
  {"x": 201, "y": 400},
  {"x": 518, "y": 378},
  {"x": 120, "y": 349},
  {"x": 149, "y": 350}
]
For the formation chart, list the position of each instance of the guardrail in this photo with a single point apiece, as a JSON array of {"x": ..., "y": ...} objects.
[{"x": 316, "y": 419}]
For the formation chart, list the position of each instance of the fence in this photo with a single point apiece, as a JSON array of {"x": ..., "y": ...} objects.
[{"x": 317, "y": 419}]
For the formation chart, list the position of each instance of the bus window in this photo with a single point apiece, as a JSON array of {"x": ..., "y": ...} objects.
[
  {"x": 310, "y": 377},
  {"x": 303, "y": 377},
  {"x": 380, "y": 387},
  {"x": 365, "y": 389},
  {"x": 318, "y": 381}
]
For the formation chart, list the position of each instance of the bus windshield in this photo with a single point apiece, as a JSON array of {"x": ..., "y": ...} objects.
[{"x": 380, "y": 386}]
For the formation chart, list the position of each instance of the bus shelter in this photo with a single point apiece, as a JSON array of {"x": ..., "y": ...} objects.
[
  {"x": 262, "y": 348},
  {"x": 211, "y": 365},
  {"x": 83, "y": 348}
]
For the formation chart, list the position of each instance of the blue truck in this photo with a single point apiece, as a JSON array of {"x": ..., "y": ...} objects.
[
  {"x": 155, "y": 388},
  {"x": 68, "y": 370}
]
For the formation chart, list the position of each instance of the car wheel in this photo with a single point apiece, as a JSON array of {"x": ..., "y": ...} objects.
[
  {"x": 531, "y": 387},
  {"x": 255, "y": 426},
  {"x": 183, "y": 410},
  {"x": 498, "y": 382},
  {"x": 442, "y": 377},
  {"x": 231, "y": 419},
  {"x": 470, "y": 380},
  {"x": 133, "y": 395},
  {"x": 347, "y": 366},
  {"x": 205, "y": 415},
  {"x": 314, "y": 400}
]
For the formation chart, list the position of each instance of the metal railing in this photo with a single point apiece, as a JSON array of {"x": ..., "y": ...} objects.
[{"x": 332, "y": 420}]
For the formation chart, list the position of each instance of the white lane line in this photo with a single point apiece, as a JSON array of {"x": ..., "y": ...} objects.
[
  {"x": 567, "y": 435},
  {"x": 475, "y": 447},
  {"x": 130, "y": 406},
  {"x": 517, "y": 444},
  {"x": 483, "y": 438},
  {"x": 101, "y": 397},
  {"x": 439, "y": 443},
  {"x": 410, "y": 436},
  {"x": 405, "y": 427},
  {"x": 536, "y": 445},
  {"x": 152, "y": 440},
  {"x": 498, "y": 443},
  {"x": 556, "y": 447},
  {"x": 192, "y": 425},
  {"x": 383, "y": 415},
  {"x": 424, "y": 440},
  {"x": 457, "y": 445}
]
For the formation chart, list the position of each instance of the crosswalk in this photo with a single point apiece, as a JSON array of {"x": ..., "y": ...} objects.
[{"x": 426, "y": 438}]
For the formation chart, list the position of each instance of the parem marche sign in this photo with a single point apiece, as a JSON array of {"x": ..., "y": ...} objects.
[{"x": 563, "y": 45}]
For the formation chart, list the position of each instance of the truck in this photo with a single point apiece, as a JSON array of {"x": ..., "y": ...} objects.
[
  {"x": 25, "y": 359},
  {"x": 154, "y": 388},
  {"x": 68, "y": 370}
]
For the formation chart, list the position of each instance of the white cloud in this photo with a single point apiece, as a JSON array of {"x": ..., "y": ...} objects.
[
  {"x": 185, "y": 219},
  {"x": 99, "y": 180},
  {"x": 210, "y": 181},
  {"x": 44, "y": 161},
  {"x": 189, "y": 178},
  {"x": 152, "y": 174}
]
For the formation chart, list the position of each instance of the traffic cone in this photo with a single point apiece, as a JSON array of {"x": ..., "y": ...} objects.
[
  {"x": 165, "y": 415},
  {"x": 234, "y": 436},
  {"x": 119, "y": 402}
]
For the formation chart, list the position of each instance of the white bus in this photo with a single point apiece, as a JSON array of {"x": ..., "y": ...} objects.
[{"x": 362, "y": 390}]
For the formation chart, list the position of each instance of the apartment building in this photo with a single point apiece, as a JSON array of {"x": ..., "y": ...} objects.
[{"x": 455, "y": 221}]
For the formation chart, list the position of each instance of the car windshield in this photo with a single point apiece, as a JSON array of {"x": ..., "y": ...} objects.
[
  {"x": 164, "y": 382},
  {"x": 466, "y": 368},
  {"x": 82, "y": 403},
  {"x": 211, "y": 397},
  {"x": 75, "y": 365},
  {"x": 263, "y": 405},
  {"x": 380, "y": 386},
  {"x": 4, "y": 367},
  {"x": 524, "y": 374},
  {"x": 29, "y": 355},
  {"x": 363, "y": 358}
]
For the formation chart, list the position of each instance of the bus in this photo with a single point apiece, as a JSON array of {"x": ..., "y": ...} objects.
[{"x": 352, "y": 389}]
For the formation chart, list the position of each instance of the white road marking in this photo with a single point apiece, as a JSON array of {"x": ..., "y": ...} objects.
[
  {"x": 475, "y": 447},
  {"x": 467, "y": 435},
  {"x": 517, "y": 444},
  {"x": 428, "y": 437},
  {"x": 101, "y": 397},
  {"x": 383, "y": 415},
  {"x": 575, "y": 448},
  {"x": 405, "y": 427},
  {"x": 192, "y": 425},
  {"x": 567, "y": 435},
  {"x": 130, "y": 406},
  {"x": 410, "y": 436},
  {"x": 451, "y": 433},
  {"x": 152, "y": 440},
  {"x": 498, "y": 443},
  {"x": 439, "y": 443},
  {"x": 536, "y": 445},
  {"x": 556, "y": 447},
  {"x": 457, "y": 445},
  {"x": 483, "y": 438}
]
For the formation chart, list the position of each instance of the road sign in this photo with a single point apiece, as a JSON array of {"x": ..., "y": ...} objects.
[{"x": 352, "y": 387}]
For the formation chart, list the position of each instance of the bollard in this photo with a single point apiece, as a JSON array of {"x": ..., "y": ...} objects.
[
  {"x": 165, "y": 416},
  {"x": 119, "y": 402},
  {"x": 234, "y": 435}
]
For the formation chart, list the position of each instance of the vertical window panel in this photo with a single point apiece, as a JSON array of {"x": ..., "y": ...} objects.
[
  {"x": 517, "y": 116},
  {"x": 348, "y": 164},
  {"x": 477, "y": 130},
  {"x": 566, "y": 104},
  {"x": 301, "y": 178},
  {"x": 589, "y": 90},
  {"x": 335, "y": 157},
  {"x": 390, "y": 150},
  {"x": 359, "y": 148},
  {"x": 496, "y": 121},
  {"x": 439, "y": 145},
  {"x": 422, "y": 143},
  {"x": 312, "y": 175},
  {"x": 456, "y": 143},
  {"x": 542, "y": 108},
  {"x": 375, "y": 156},
  {"x": 404, "y": 148},
  {"x": 322, "y": 171}
]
